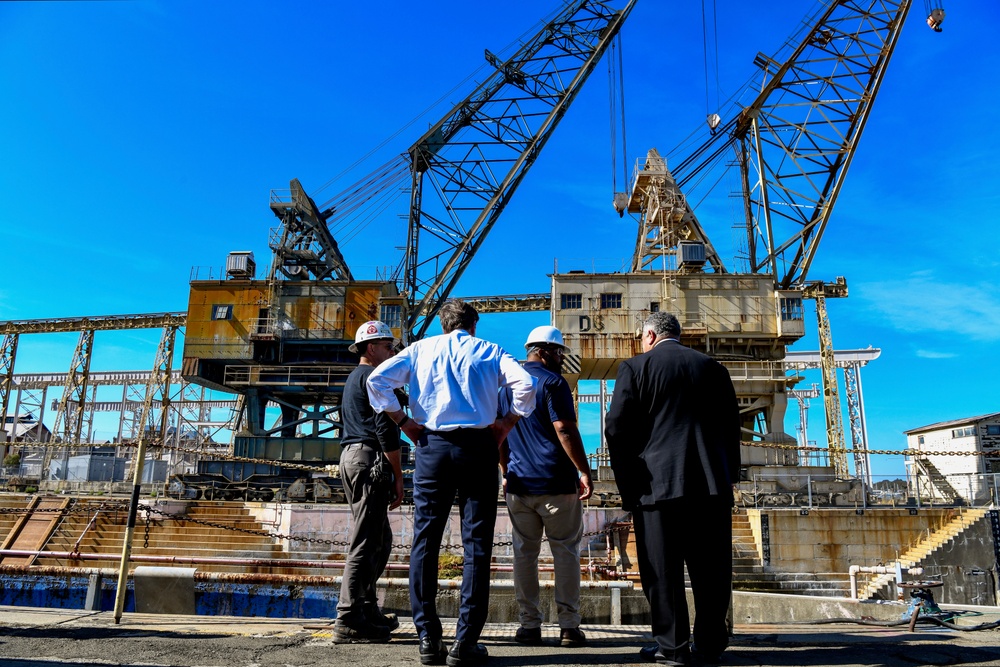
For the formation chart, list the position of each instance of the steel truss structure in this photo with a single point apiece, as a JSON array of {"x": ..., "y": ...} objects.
[
  {"x": 851, "y": 361},
  {"x": 475, "y": 157},
  {"x": 796, "y": 142},
  {"x": 156, "y": 404}
]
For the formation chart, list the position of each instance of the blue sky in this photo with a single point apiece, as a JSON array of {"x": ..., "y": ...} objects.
[{"x": 143, "y": 138}]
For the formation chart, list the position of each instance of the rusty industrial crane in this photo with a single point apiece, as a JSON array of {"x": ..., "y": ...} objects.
[
  {"x": 283, "y": 340},
  {"x": 793, "y": 145}
]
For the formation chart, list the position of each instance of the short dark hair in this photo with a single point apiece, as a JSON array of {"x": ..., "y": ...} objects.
[
  {"x": 457, "y": 314},
  {"x": 664, "y": 325}
]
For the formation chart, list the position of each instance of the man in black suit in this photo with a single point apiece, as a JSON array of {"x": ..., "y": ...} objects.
[{"x": 673, "y": 434}]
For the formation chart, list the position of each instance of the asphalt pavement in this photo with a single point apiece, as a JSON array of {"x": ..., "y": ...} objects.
[{"x": 50, "y": 637}]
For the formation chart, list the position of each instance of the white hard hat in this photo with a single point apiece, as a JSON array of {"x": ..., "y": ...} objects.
[
  {"x": 373, "y": 330},
  {"x": 545, "y": 335}
]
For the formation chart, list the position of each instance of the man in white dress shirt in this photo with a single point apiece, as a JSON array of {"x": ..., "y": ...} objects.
[{"x": 453, "y": 382}]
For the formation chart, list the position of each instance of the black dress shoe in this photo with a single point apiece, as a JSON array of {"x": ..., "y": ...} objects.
[
  {"x": 464, "y": 654},
  {"x": 703, "y": 658},
  {"x": 432, "y": 651},
  {"x": 654, "y": 654}
]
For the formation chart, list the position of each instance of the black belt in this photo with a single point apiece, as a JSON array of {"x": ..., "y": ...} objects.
[{"x": 363, "y": 444}]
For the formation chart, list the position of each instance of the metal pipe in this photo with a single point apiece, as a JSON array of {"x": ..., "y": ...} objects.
[
  {"x": 877, "y": 569},
  {"x": 315, "y": 579},
  {"x": 209, "y": 560}
]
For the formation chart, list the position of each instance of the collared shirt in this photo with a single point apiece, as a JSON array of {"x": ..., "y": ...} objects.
[
  {"x": 538, "y": 464},
  {"x": 453, "y": 381}
]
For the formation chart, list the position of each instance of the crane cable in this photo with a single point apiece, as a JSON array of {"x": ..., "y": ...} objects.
[
  {"x": 616, "y": 103},
  {"x": 711, "y": 65}
]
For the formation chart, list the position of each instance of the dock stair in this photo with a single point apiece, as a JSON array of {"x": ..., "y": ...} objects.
[
  {"x": 877, "y": 587},
  {"x": 750, "y": 574},
  {"x": 212, "y": 529},
  {"x": 32, "y": 530}
]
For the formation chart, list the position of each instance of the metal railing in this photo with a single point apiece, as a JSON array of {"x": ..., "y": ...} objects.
[
  {"x": 786, "y": 489},
  {"x": 283, "y": 376}
]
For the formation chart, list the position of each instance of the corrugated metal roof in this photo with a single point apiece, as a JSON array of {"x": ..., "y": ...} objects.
[{"x": 954, "y": 422}]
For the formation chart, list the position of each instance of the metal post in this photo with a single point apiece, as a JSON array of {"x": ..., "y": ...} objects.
[
  {"x": 133, "y": 507},
  {"x": 616, "y": 606},
  {"x": 159, "y": 378},
  {"x": 604, "y": 409},
  {"x": 809, "y": 489}
]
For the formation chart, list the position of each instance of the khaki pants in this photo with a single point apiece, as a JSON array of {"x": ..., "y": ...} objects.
[{"x": 560, "y": 517}]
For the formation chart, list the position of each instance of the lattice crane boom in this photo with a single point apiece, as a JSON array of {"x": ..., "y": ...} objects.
[
  {"x": 796, "y": 141},
  {"x": 475, "y": 157}
]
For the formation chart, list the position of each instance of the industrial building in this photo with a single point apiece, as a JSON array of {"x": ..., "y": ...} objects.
[{"x": 955, "y": 461}]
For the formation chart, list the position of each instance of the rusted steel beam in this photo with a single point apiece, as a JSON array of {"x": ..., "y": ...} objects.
[{"x": 95, "y": 323}]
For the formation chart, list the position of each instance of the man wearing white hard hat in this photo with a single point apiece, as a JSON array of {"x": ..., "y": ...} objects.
[
  {"x": 370, "y": 443},
  {"x": 546, "y": 478}
]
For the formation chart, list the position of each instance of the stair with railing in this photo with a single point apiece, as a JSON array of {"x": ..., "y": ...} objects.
[
  {"x": 233, "y": 534},
  {"x": 937, "y": 479},
  {"x": 913, "y": 556}
]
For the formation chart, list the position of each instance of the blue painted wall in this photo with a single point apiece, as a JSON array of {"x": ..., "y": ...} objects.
[{"x": 211, "y": 599}]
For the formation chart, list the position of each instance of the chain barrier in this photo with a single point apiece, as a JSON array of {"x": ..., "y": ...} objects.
[
  {"x": 886, "y": 452},
  {"x": 120, "y": 506},
  {"x": 249, "y": 531},
  {"x": 151, "y": 511},
  {"x": 331, "y": 469},
  {"x": 509, "y": 543}
]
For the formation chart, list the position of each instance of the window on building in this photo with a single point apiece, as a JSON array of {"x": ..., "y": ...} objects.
[
  {"x": 611, "y": 300},
  {"x": 791, "y": 308},
  {"x": 392, "y": 315},
  {"x": 920, "y": 439},
  {"x": 993, "y": 429},
  {"x": 222, "y": 312},
  {"x": 654, "y": 306},
  {"x": 571, "y": 301},
  {"x": 963, "y": 432}
]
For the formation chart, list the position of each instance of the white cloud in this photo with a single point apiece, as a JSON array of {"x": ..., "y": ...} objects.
[
  {"x": 932, "y": 354},
  {"x": 918, "y": 303}
]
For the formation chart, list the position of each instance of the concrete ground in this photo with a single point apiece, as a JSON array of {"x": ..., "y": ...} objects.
[{"x": 49, "y": 637}]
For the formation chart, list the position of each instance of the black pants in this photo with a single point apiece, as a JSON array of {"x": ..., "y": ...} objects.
[
  {"x": 699, "y": 532},
  {"x": 463, "y": 461},
  {"x": 371, "y": 537}
]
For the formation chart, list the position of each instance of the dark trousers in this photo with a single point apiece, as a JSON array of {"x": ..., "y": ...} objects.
[
  {"x": 371, "y": 537},
  {"x": 449, "y": 462},
  {"x": 699, "y": 532}
]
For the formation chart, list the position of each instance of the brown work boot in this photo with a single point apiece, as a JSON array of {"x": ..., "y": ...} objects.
[
  {"x": 362, "y": 633},
  {"x": 572, "y": 638}
]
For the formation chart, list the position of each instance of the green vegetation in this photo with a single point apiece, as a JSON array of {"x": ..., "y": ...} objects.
[{"x": 450, "y": 566}]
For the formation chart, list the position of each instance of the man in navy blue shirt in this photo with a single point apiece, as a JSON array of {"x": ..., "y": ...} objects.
[{"x": 546, "y": 478}]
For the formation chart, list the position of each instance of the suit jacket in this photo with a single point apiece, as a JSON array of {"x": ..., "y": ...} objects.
[{"x": 673, "y": 429}]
